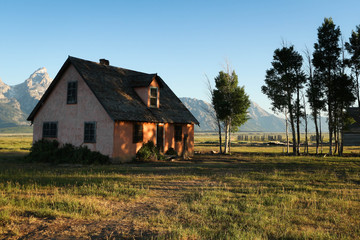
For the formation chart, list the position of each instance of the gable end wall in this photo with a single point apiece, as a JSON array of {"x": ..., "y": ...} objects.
[{"x": 71, "y": 117}]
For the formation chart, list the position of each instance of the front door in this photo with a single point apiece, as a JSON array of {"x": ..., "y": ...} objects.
[{"x": 160, "y": 137}]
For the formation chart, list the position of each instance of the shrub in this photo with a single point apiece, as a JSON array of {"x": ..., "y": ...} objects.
[
  {"x": 171, "y": 151},
  {"x": 148, "y": 153},
  {"x": 49, "y": 151},
  {"x": 43, "y": 151}
]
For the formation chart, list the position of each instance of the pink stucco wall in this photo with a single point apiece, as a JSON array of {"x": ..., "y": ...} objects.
[
  {"x": 71, "y": 117},
  {"x": 178, "y": 146},
  {"x": 125, "y": 149}
]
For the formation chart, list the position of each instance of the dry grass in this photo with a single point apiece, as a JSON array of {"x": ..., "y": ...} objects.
[{"x": 254, "y": 194}]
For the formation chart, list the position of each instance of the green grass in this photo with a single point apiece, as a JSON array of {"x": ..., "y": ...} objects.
[
  {"x": 17, "y": 129},
  {"x": 256, "y": 193},
  {"x": 19, "y": 143}
]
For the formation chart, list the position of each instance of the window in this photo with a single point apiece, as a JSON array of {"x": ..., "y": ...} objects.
[
  {"x": 50, "y": 130},
  {"x": 90, "y": 132},
  {"x": 153, "y": 96},
  {"x": 72, "y": 93},
  {"x": 138, "y": 133},
  {"x": 178, "y": 133}
]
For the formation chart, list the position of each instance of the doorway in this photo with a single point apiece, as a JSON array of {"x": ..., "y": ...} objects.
[{"x": 160, "y": 137}]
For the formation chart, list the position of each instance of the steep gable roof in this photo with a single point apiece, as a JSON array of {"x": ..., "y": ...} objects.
[
  {"x": 114, "y": 89},
  {"x": 354, "y": 112}
]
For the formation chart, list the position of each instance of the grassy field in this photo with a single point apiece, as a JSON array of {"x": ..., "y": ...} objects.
[{"x": 255, "y": 193}]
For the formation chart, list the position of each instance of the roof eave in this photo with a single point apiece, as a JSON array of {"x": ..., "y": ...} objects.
[{"x": 49, "y": 90}]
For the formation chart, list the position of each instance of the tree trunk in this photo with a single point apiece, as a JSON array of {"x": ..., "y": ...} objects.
[
  {"x": 338, "y": 141},
  {"x": 229, "y": 136},
  {"x": 330, "y": 128},
  {"x": 317, "y": 137},
  {"x": 321, "y": 138},
  {"x": 227, "y": 129},
  {"x": 287, "y": 132},
  {"x": 293, "y": 131},
  {"x": 335, "y": 127},
  {"x": 335, "y": 139},
  {"x": 341, "y": 140},
  {"x": 220, "y": 140},
  {"x": 298, "y": 120},
  {"x": 357, "y": 88},
  {"x": 306, "y": 149}
]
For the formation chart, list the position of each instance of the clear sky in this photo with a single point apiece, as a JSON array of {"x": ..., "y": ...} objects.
[{"x": 180, "y": 40}]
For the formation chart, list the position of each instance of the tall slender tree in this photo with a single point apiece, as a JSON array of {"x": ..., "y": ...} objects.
[
  {"x": 230, "y": 103},
  {"x": 345, "y": 97},
  {"x": 305, "y": 116},
  {"x": 353, "y": 48},
  {"x": 212, "y": 113},
  {"x": 315, "y": 96},
  {"x": 282, "y": 82},
  {"x": 326, "y": 63}
]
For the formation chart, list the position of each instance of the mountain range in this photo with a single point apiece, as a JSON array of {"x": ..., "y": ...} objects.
[
  {"x": 259, "y": 119},
  {"x": 17, "y": 102}
]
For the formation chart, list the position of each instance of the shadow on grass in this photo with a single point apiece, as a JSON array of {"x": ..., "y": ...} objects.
[{"x": 14, "y": 168}]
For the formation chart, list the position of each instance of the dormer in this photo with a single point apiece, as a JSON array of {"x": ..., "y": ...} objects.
[{"x": 148, "y": 89}]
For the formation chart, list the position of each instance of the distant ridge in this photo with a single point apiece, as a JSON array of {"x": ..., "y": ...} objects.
[
  {"x": 260, "y": 120},
  {"x": 16, "y": 103}
]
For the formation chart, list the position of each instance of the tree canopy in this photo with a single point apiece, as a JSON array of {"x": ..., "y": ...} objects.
[{"x": 230, "y": 103}]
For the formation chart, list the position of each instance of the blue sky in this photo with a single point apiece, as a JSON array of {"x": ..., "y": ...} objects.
[{"x": 180, "y": 40}]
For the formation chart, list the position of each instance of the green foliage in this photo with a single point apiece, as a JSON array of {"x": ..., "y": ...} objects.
[
  {"x": 230, "y": 100},
  {"x": 330, "y": 70},
  {"x": 148, "y": 153},
  {"x": 327, "y": 50},
  {"x": 51, "y": 152},
  {"x": 315, "y": 94},
  {"x": 284, "y": 78},
  {"x": 282, "y": 82},
  {"x": 230, "y": 103},
  {"x": 353, "y": 48}
]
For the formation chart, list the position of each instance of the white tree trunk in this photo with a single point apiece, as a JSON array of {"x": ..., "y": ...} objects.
[{"x": 227, "y": 130}]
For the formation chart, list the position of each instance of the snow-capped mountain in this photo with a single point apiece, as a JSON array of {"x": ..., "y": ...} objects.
[
  {"x": 30, "y": 91},
  {"x": 16, "y": 102}
]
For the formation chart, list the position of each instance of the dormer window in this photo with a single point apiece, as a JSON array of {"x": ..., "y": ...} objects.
[
  {"x": 71, "y": 93},
  {"x": 153, "y": 97}
]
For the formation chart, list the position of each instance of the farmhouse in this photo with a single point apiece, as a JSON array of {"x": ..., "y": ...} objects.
[
  {"x": 352, "y": 133},
  {"x": 112, "y": 110}
]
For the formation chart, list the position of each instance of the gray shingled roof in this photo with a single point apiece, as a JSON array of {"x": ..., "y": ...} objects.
[
  {"x": 354, "y": 112},
  {"x": 114, "y": 88}
]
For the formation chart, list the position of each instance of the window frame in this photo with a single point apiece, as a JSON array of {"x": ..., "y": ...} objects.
[
  {"x": 71, "y": 95},
  {"x": 178, "y": 133},
  {"x": 154, "y": 97},
  {"x": 47, "y": 133},
  {"x": 138, "y": 132},
  {"x": 90, "y": 137}
]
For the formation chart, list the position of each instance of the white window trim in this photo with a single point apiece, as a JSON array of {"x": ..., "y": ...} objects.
[{"x": 157, "y": 97}]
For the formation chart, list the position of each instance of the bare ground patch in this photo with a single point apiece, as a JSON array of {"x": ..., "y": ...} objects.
[{"x": 128, "y": 219}]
